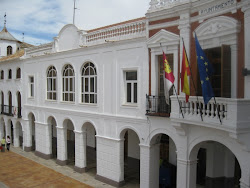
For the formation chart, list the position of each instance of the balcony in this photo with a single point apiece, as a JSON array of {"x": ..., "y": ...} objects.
[
  {"x": 157, "y": 106},
  {"x": 227, "y": 114},
  {"x": 11, "y": 111}
]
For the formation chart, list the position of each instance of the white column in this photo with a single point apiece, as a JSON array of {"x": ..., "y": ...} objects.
[
  {"x": 27, "y": 136},
  {"x": 154, "y": 80},
  {"x": 61, "y": 144},
  {"x": 149, "y": 165},
  {"x": 80, "y": 150},
  {"x": 110, "y": 159},
  {"x": 234, "y": 70},
  {"x": 186, "y": 173},
  {"x": 1, "y": 129},
  {"x": 16, "y": 136},
  {"x": 246, "y": 10},
  {"x": 245, "y": 177},
  {"x": 47, "y": 140}
]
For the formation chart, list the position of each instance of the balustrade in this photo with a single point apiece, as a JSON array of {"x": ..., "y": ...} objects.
[
  {"x": 129, "y": 30},
  {"x": 225, "y": 113}
]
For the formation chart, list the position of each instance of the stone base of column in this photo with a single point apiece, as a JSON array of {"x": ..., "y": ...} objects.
[
  {"x": 80, "y": 170},
  {"x": 27, "y": 149},
  {"x": 109, "y": 181},
  {"x": 61, "y": 163},
  {"x": 42, "y": 155},
  {"x": 219, "y": 182}
]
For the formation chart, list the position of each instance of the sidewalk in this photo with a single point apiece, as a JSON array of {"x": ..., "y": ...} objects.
[{"x": 25, "y": 169}]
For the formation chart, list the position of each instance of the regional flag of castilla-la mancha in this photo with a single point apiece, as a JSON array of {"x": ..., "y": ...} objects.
[
  {"x": 185, "y": 72},
  {"x": 168, "y": 78}
]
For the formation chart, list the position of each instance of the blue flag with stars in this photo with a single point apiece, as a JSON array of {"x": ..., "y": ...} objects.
[{"x": 205, "y": 70}]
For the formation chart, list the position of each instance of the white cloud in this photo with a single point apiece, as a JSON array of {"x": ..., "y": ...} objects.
[{"x": 41, "y": 20}]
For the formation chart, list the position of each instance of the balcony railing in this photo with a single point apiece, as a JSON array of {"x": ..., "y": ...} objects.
[
  {"x": 227, "y": 113},
  {"x": 11, "y": 111},
  {"x": 157, "y": 106}
]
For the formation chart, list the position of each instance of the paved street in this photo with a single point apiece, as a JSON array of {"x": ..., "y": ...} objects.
[{"x": 24, "y": 169}]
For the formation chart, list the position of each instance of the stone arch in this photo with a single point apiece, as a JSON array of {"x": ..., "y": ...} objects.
[
  {"x": 52, "y": 137},
  {"x": 215, "y": 145},
  {"x": 163, "y": 158},
  {"x": 32, "y": 130},
  {"x": 121, "y": 132},
  {"x": 18, "y": 140},
  {"x": 162, "y": 131},
  {"x": 130, "y": 151},
  {"x": 217, "y": 138},
  {"x": 65, "y": 122}
]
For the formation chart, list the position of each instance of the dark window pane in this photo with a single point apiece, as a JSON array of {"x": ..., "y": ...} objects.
[
  {"x": 135, "y": 92},
  {"x": 131, "y": 75},
  {"x": 92, "y": 85},
  {"x": 128, "y": 92},
  {"x": 91, "y": 98},
  {"x": 86, "y": 98},
  {"x": 86, "y": 84}
]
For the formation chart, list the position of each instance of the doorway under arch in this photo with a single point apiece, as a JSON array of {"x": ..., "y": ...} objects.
[
  {"x": 131, "y": 156},
  {"x": 164, "y": 159},
  {"x": 70, "y": 142},
  {"x": 19, "y": 135},
  {"x": 53, "y": 136},
  {"x": 217, "y": 166},
  {"x": 32, "y": 131}
]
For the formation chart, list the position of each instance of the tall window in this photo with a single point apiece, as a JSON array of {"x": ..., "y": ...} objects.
[
  {"x": 10, "y": 74},
  {"x": 18, "y": 73},
  {"x": 2, "y": 74},
  {"x": 68, "y": 83},
  {"x": 51, "y": 83},
  {"x": 31, "y": 82},
  {"x": 89, "y": 83},
  {"x": 131, "y": 86},
  {"x": 9, "y": 50}
]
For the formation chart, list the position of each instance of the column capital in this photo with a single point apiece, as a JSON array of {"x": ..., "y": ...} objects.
[
  {"x": 187, "y": 162},
  {"x": 60, "y": 128}
]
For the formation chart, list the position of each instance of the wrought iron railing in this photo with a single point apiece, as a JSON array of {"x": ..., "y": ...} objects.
[
  {"x": 157, "y": 106},
  {"x": 11, "y": 111}
]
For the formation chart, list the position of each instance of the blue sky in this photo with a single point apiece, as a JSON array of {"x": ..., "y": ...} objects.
[{"x": 41, "y": 20}]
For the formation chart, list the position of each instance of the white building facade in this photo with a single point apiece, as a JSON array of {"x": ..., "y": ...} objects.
[{"x": 94, "y": 99}]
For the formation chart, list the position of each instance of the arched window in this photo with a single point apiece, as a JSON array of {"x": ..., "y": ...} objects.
[
  {"x": 89, "y": 83},
  {"x": 10, "y": 74},
  {"x": 18, "y": 73},
  {"x": 2, "y": 74},
  {"x": 68, "y": 83},
  {"x": 51, "y": 83},
  {"x": 9, "y": 50}
]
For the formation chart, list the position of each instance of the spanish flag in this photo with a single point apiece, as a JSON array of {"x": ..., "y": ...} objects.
[
  {"x": 185, "y": 72},
  {"x": 168, "y": 78}
]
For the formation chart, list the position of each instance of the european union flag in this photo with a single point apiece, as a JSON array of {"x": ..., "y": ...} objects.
[{"x": 205, "y": 70}]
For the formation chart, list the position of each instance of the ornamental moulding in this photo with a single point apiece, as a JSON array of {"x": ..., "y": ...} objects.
[
  {"x": 218, "y": 26},
  {"x": 163, "y": 37}
]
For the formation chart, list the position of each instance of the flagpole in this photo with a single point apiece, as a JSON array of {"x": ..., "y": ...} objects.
[
  {"x": 175, "y": 91},
  {"x": 214, "y": 97},
  {"x": 193, "y": 81},
  {"x": 178, "y": 101}
]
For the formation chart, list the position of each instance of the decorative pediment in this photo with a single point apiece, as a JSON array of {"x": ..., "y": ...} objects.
[
  {"x": 164, "y": 38},
  {"x": 68, "y": 38},
  {"x": 218, "y": 26}
]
